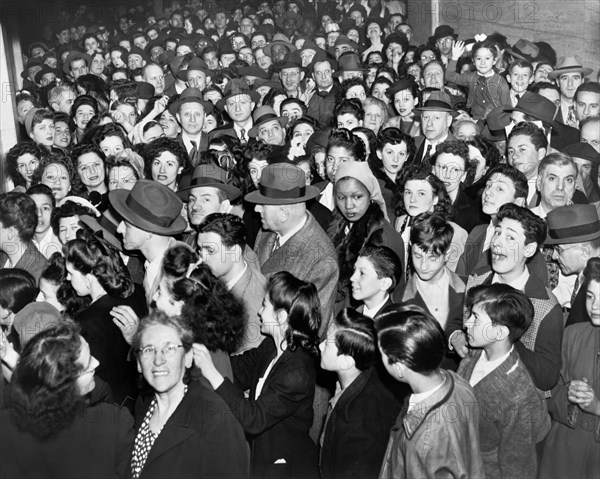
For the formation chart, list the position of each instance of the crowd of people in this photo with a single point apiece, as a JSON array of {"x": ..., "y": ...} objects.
[{"x": 282, "y": 240}]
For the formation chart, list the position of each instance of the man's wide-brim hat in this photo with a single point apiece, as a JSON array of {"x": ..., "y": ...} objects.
[
  {"x": 208, "y": 176},
  {"x": 75, "y": 56},
  {"x": 278, "y": 39},
  {"x": 524, "y": 50},
  {"x": 195, "y": 65},
  {"x": 585, "y": 151},
  {"x": 438, "y": 101},
  {"x": 538, "y": 107},
  {"x": 349, "y": 62},
  {"x": 150, "y": 207},
  {"x": 237, "y": 86},
  {"x": 190, "y": 95},
  {"x": 572, "y": 64},
  {"x": 282, "y": 184},
  {"x": 263, "y": 114},
  {"x": 572, "y": 224},
  {"x": 443, "y": 31}
]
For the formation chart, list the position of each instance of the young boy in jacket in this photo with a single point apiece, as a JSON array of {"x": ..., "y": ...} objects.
[
  {"x": 512, "y": 413},
  {"x": 363, "y": 409}
]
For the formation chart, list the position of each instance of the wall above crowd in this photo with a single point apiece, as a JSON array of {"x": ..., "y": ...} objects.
[{"x": 570, "y": 26}]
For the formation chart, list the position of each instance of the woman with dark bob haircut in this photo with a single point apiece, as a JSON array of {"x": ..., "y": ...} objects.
[
  {"x": 95, "y": 269},
  {"x": 280, "y": 374},
  {"x": 422, "y": 443},
  {"x": 183, "y": 428},
  {"x": 49, "y": 431}
]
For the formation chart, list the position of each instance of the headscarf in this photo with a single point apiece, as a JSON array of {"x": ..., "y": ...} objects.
[{"x": 360, "y": 171}]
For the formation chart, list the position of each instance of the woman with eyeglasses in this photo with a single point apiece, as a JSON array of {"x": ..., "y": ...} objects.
[
  {"x": 280, "y": 374},
  {"x": 183, "y": 428},
  {"x": 95, "y": 269},
  {"x": 54, "y": 423}
]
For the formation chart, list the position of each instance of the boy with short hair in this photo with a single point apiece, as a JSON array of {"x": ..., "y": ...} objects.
[
  {"x": 44, "y": 238},
  {"x": 513, "y": 415},
  {"x": 363, "y": 409},
  {"x": 431, "y": 284},
  {"x": 377, "y": 271},
  {"x": 520, "y": 76},
  {"x": 517, "y": 237}
]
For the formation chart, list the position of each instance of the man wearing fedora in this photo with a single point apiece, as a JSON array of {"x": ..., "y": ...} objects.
[
  {"x": 322, "y": 103},
  {"x": 536, "y": 108},
  {"x": 151, "y": 216},
  {"x": 568, "y": 74},
  {"x": 436, "y": 118},
  {"x": 222, "y": 246},
  {"x": 290, "y": 238},
  {"x": 207, "y": 192},
  {"x": 574, "y": 233},
  {"x": 349, "y": 66},
  {"x": 238, "y": 101},
  {"x": 190, "y": 110},
  {"x": 197, "y": 74},
  {"x": 291, "y": 75},
  {"x": 443, "y": 38},
  {"x": 269, "y": 127}
]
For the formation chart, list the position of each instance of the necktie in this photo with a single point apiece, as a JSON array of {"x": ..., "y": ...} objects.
[
  {"x": 575, "y": 290},
  {"x": 571, "y": 117},
  {"x": 194, "y": 153},
  {"x": 276, "y": 244},
  {"x": 425, "y": 162},
  {"x": 242, "y": 136}
]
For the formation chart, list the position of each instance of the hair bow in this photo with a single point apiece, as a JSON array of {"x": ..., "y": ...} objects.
[{"x": 480, "y": 37}]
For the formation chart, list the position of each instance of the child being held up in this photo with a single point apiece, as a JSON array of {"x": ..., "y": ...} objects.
[
  {"x": 487, "y": 89},
  {"x": 512, "y": 414}
]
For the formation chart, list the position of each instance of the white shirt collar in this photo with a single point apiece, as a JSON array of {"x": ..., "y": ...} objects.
[
  {"x": 519, "y": 283},
  {"x": 283, "y": 239},
  {"x": 370, "y": 313},
  {"x": 233, "y": 281}
]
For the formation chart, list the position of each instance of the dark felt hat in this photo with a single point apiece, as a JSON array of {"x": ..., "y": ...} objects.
[
  {"x": 263, "y": 114},
  {"x": 538, "y": 107},
  {"x": 237, "y": 86},
  {"x": 45, "y": 70},
  {"x": 150, "y": 207},
  {"x": 572, "y": 224},
  {"x": 195, "y": 64},
  {"x": 282, "y": 184},
  {"x": 585, "y": 151},
  {"x": 444, "y": 31},
  {"x": 190, "y": 95},
  {"x": 145, "y": 90},
  {"x": 404, "y": 84},
  {"x": 209, "y": 175},
  {"x": 524, "y": 50},
  {"x": 438, "y": 101},
  {"x": 349, "y": 62}
]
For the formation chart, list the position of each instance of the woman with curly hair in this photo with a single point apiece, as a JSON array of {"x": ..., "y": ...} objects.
[
  {"x": 57, "y": 172},
  {"x": 422, "y": 191},
  {"x": 192, "y": 291},
  {"x": 166, "y": 161},
  {"x": 48, "y": 431},
  {"x": 54, "y": 288},
  {"x": 280, "y": 374},
  {"x": 96, "y": 270},
  {"x": 21, "y": 162},
  {"x": 359, "y": 218},
  {"x": 65, "y": 219}
]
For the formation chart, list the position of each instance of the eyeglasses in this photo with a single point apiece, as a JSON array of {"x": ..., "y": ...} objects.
[
  {"x": 560, "y": 250},
  {"x": 168, "y": 351}
]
